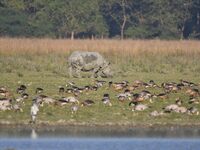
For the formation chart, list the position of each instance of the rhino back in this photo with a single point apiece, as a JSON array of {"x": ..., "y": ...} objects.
[{"x": 86, "y": 58}]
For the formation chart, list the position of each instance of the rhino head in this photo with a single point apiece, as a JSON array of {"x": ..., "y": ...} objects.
[{"x": 106, "y": 71}]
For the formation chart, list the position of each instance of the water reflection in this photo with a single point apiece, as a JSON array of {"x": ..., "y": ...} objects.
[
  {"x": 34, "y": 135},
  {"x": 78, "y": 131}
]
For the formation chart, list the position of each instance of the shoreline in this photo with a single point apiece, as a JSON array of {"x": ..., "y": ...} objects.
[{"x": 42, "y": 124}]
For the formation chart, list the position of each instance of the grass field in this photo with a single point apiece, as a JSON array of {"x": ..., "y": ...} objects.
[{"x": 43, "y": 63}]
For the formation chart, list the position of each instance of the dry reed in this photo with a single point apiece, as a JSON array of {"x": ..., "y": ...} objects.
[{"x": 130, "y": 47}]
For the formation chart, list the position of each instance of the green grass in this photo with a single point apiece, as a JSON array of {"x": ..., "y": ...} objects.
[
  {"x": 49, "y": 71},
  {"x": 119, "y": 113}
]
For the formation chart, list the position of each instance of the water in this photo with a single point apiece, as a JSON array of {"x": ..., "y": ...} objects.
[{"x": 91, "y": 138}]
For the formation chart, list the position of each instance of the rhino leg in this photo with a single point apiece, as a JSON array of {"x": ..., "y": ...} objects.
[
  {"x": 70, "y": 72},
  {"x": 77, "y": 73},
  {"x": 95, "y": 72}
]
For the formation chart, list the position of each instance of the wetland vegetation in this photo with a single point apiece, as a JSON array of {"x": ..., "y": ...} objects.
[{"x": 43, "y": 63}]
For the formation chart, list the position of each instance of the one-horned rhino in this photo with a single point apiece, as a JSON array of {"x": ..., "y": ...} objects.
[{"x": 91, "y": 62}]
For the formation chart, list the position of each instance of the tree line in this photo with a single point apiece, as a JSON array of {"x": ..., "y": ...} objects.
[{"x": 136, "y": 19}]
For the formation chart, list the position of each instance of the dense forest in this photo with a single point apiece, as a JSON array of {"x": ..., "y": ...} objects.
[{"x": 135, "y": 19}]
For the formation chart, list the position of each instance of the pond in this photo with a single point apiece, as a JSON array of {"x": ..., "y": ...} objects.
[{"x": 100, "y": 138}]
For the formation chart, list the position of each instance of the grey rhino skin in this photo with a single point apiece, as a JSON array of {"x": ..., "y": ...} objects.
[{"x": 91, "y": 62}]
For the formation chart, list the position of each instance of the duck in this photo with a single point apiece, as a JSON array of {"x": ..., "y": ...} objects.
[
  {"x": 187, "y": 83},
  {"x": 106, "y": 99},
  {"x": 61, "y": 90},
  {"x": 5, "y": 104},
  {"x": 61, "y": 102},
  {"x": 137, "y": 106},
  {"x": 94, "y": 88},
  {"x": 152, "y": 84},
  {"x": 69, "y": 99},
  {"x": 138, "y": 83},
  {"x": 118, "y": 86},
  {"x": 5, "y": 93},
  {"x": 16, "y": 107},
  {"x": 155, "y": 113},
  {"x": 171, "y": 108},
  {"x": 69, "y": 90},
  {"x": 39, "y": 90},
  {"x": 87, "y": 102},
  {"x": 181, "y": 109},
  {"x": 162, "y": 95},
  {"x": 178, "y": 101},
  {"x": 193, "y": 92},
  {"x": 24, "y": 95},
  {"x": 21, "y": 89},
  {"x": 48, "y": 100},
  {"x": 193, "y": 110},
  {"x": 177, "y": 107},
  {"x": 99, "y": 83},
  {"x": 70, "y": 83},
  {"x": 42, "y": 99},
  {"x": 143, "y": 95},
  {"x": 124, "y": 96},
  {"x": 133, "y": 87},
  {"x": 87, "y": 88},
  {"x": 193, "y": 100},
  {"x": 3, "y": 88}
]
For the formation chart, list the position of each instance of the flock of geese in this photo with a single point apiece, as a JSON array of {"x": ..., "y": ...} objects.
[{"x": 125, "y": 92}]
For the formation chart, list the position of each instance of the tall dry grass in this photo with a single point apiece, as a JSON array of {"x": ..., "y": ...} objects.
[
  {"x": 10, "y": 45},
  {"x": 22, "y": 54}
]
